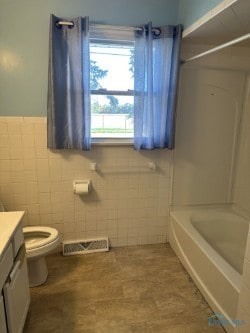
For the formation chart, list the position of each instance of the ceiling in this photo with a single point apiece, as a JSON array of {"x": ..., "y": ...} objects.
[{"x": 232, "y": 22}]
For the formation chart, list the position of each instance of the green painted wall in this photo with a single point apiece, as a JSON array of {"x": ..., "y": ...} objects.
[
  {"x": 24, "y": 30},
  {"x": 191, "y": 10}
]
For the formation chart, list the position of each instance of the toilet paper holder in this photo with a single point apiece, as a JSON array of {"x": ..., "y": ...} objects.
[{"x": 86, "y": 184}]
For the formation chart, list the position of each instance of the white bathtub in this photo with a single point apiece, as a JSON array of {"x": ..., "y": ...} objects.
[{"x": 211, "y": 245}]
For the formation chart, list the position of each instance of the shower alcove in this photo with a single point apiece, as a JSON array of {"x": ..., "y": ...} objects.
[{"x": 211, "y": 157}]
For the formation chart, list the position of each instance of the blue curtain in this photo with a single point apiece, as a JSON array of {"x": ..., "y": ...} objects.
[
  {"x": 68, "y": 118},
  {"x": 157, "y": 61}
]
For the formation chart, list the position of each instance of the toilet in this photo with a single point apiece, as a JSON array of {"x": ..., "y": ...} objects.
[{"x": 39, "y": 241}]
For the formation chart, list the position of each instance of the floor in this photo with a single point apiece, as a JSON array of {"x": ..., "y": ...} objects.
[{"x": 127, "y": 290}]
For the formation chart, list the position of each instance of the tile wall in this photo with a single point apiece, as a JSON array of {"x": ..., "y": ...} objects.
[{"x": 129, "y": 202}]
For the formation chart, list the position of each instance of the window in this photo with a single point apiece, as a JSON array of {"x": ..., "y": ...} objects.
[
  {"x": 112, "y": 86},
  {"x": 152, "y": 63}
]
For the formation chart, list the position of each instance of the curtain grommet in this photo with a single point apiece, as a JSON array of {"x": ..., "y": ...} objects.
[
  {"x": 58, "y": 25},
  {"x": 156, "y": 32}
]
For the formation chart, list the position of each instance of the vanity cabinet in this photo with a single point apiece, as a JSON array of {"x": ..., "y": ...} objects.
[
  {"x": 14, "y": 283},
  {"x": 3, "y": 327}
]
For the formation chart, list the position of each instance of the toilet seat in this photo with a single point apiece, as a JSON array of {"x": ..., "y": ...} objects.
[
  {"x": 39, "y": 241},
  {"x": 39, "y": 237}
]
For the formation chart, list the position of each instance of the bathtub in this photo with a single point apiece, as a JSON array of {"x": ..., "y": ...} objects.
[{"x": 211, "y": 243}]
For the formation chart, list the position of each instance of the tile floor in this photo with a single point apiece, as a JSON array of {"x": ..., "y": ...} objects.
[{"x": 127, "y": 290}]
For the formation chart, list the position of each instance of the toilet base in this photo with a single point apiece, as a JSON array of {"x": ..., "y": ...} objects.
[{"x": 37, "y": 271}]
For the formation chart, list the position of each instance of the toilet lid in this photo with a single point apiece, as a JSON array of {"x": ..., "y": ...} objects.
[{"x": 38, "y": 236}]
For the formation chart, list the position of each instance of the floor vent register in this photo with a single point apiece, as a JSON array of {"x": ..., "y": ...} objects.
[{"x": 85, "y": 246}]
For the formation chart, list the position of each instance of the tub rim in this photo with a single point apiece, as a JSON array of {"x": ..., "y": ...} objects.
[{"x": 184, "y": 214}]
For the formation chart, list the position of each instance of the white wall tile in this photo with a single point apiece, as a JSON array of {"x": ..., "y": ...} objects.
[
  {"x": 3, "y": 128},
  {"x": 5, "y": 165},
  {"x": 29, "y": 153},
  {"x": 19, "y": 199},
  {"x": 56, "y": 197},
  {"x": 4, "y": 141},
  {"x": 125, "y": 204},
  {"x": 27, "y": 129},
  {"x": 17, "y": 176},
  {"x": 17, "y": 165},
  {"x": 31, "y": 192},
  {"x": 4, "y": 150},
  {"x": 29, "y": 164},
  {"x": 45, "y": 208},
  {"x": 14, "y": 128},
  {"x": 28, "y": 141},
  {"x": 34, "y": 219},
  {"x": 33, "y": 209}
]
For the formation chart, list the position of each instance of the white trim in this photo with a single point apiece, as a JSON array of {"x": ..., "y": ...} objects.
[
  {"x": 218, "y": 48},
  {"x": 207, "y": 17},
  {"x": 111, "y": 142}
]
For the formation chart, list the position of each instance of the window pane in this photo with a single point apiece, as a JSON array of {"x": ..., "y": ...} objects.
[
  {"x": 112, "y": 116},
  {"x": 112, "y": 66},
  {"x": 112, "y": 69}
]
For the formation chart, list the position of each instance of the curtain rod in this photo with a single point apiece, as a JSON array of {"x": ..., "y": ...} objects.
[
  {"x": 114, "y": 27},
  {"x": 65, "y": 23},
  {"x": 105, "y": 26},
  {"x": 100, "y": 26},
  {"x": 217, "y": 48}
]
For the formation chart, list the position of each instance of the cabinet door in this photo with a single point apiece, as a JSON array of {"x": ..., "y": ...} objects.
[
  {"x": 3, "y": 328},
  {"x": 17, "y": 295}
]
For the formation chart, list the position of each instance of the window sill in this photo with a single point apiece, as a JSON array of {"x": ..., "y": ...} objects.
[{"x": 112, "y": 141}]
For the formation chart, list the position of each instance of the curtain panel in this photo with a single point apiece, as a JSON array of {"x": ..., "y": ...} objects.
[
  {"x": 68, "y": 116},
  {"x": 156, "y": 72}
]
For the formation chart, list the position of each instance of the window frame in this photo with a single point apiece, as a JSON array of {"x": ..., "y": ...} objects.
[{"x": 111, "y": 35}]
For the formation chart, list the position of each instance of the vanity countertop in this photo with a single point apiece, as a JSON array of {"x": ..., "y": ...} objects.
[{"x": 9, "y": 221}]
